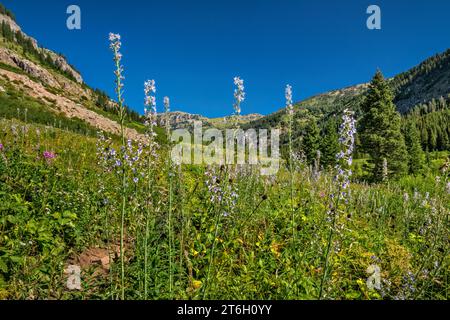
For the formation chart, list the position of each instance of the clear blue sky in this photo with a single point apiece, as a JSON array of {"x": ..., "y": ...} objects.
[{"x": 194, "y": 48}]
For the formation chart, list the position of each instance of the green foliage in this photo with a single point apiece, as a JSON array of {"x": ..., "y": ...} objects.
[
  {"x": 6, "y": 31},
  {"x": 52, "y": 211},
  {"x": 16, "y": 105},
  {"x": 261, "y": 238},
  {"x": 103, "y": 101},
  {"x": 329, "y": 144},
  {"x": 413, "y": 145},
  {"x": 311, "y": 141},
  {"x": 417, "y": 92},
  {"x": 380, "y": 130},
  {"x": 433, "y": 123},
  {"x": 427, "y": 81}
]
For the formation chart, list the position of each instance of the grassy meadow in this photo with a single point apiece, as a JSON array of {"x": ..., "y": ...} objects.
[{"x": 192, "y": 232}]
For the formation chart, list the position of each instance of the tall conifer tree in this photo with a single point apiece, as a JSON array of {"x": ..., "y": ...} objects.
[
  {"x": 415, "y": 152},
  {"x": 311, "y": 141},
  {"x": 330, "y": 144},
  {"x": 381, "y": 135}
]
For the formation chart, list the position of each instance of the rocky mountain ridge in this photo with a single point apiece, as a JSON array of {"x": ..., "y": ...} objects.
[
  {"x": 60, "y": 90},
  {"x": 59, "y": 60}
]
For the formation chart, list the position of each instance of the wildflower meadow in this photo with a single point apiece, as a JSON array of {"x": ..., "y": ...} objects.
[{"x": 108, "y": 217}]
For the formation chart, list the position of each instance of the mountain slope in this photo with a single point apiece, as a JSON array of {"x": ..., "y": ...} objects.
[
  {"x": 47, "y": 79},
  {"x": 429, "y": 80},
  {"x": 35, "y": 79},
  {"x": 58, "y": 60},
  {"x": 419, "y": 85},
  {"x": 181, "y": 120}
]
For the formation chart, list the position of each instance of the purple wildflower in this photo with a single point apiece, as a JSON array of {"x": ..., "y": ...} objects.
[
  {"x": 48, "y": 155},
  {"x": 221, "y": 194},
  {"x": 115, "y": 45},
  {"x": 409, "y": 284},
  {"x": 150, "y": 107},
  {"x": 347, "y": 133}
]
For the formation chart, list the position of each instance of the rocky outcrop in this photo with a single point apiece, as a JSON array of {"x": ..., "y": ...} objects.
[
  {"x": 180, "y": 120},
  {"x": 63, "y": 65},
  {"x": 250, "y": 117},
  {"x": 68, "y": 107},
  {"x": 12, "y": 59},
  {"x": 16, "y": 28},
  {"x": 36, "y": 71},
  {"x": 53, "y": 89}
]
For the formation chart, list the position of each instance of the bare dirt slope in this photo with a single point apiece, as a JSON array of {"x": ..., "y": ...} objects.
[{"x": 68, "y": 107}]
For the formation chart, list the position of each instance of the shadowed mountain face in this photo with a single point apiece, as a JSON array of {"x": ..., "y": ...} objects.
[{"x": 430, "y": 80}]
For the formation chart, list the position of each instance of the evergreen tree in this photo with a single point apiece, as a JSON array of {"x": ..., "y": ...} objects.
[
  {"x": 330, "y": 144},
  {"x": 424, "y": 138},
  {"x": 7, "y": 32},
  {"x": 381, "y": 135},
  {"x": 446, "y": 141},
  {"x": 6, "y": 12},
  {"x": 311, "y": 141},
  {"x": 432, "y": 137},
  {"x": 48, "y": 60},
  {"x": 413, "y": 145}
]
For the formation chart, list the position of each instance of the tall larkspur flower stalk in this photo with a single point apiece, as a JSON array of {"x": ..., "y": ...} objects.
[
  {"x": 214, "y": 184},
  {"x": 290, "y": 113},
  {"x": 344, "y": 159},
  {"x": 150, "y": 113},
  {"x": 107, "y": 159},
  {"x": 115, "y": 45},
  {"x": 149, "y": 91},
  {"x": 239, "y": 95},
  {"x": 170, "y": 180},
  {"x": 289, "y": 103},
  {"x": 167, "y": 110},
  {"x": 150, "y": 123}
]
